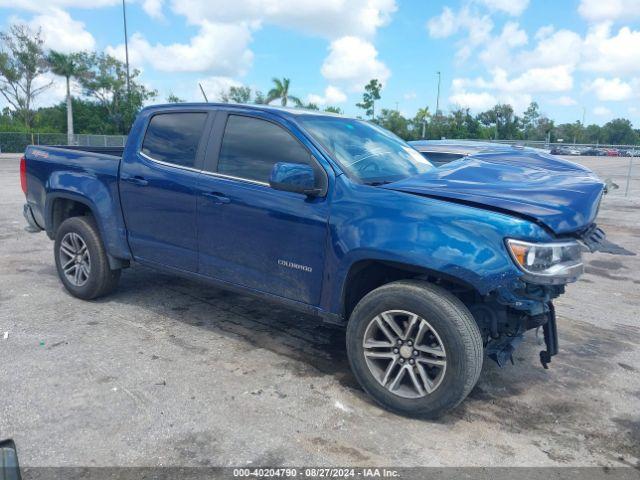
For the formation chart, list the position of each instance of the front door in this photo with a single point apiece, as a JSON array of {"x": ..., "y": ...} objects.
[
  {"x": 158, "y": 190},
  {"x": 250, "y": 234}
]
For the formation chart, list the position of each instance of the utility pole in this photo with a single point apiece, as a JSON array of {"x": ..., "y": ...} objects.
[
  {"x": 126, "y": 52},
  {"x": 438, "y": 96}
]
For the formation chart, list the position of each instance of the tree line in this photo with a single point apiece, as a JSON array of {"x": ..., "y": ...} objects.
[{"x": 108, "y": 103}]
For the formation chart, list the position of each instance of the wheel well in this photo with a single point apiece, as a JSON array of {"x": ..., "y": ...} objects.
[
  {"x": 367, "y": 275},
  {"x": 64, "y": 208}
]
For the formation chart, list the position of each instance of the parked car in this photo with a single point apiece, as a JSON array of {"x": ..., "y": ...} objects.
[
  {"x": 565, "y": 150},
  {"x": 612, "y": 152},
  {"x": 429, "y": 268},
  {"x": 594, "y": 152}
]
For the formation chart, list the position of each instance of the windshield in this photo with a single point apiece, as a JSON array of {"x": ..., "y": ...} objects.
[{"x": 366, "y": 152}]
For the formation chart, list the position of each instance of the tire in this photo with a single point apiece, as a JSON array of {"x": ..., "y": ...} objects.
[
  {"x": 449, "y": 369},
  {"x": 95, "y": 278}
]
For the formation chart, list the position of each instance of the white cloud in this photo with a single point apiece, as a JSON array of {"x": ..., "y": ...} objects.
[
  {"x": 498, "y": 49},
  {"x": 220, "y": 49},
  {"x": 563, "y": 101},
  {"x": 607, "y": 10},
  {"x": 544, "y": 32},
  {"x": 153, "y": 8},
  {"x": 619, "y": 53},
  {"x": 353, "y": 61},
  {"x": 37, "y": 5},
  {"x": 478, "y": 27},
  {"x": 474, "y": 101},
  {"x": 512, "y": 7},
  {"x": 214, "y": 87},
  {"x": 328, "y": 18},
  {"x": 535, "y": 80},
  {"x": 562, "y": 47},
  {"x": 60, "y": 31},
  {"x": 480, "y": 93},
  {"x": 332, "y": 95},
  {"x": 602, "y": 111},
  {"x": 444, "y": 25},
  {"x": 410, "y": 95},
  {"x": 610, "y": 90}
]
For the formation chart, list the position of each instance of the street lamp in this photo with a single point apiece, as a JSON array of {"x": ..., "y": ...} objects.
[
  {"x": 438, "y": 96},
  {"x": 126, "y": 50}
]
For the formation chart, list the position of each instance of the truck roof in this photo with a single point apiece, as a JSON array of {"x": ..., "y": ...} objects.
[{"x": 281, "y": 111}]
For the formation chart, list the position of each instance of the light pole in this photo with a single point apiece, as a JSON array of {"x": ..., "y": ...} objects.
[
  {"x": 438, "y": 96},
  {"x": 126, "y": 50}
]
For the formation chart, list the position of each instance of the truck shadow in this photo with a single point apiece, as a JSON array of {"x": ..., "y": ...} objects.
[{"x": 312, "y": 347}]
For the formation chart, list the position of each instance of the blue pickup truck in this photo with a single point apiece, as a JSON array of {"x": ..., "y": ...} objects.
[{"x": 430, "y": 269}]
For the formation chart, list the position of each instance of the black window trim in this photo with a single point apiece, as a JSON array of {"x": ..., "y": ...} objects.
[
  {"x": 219, "y": 137},
  {"x": 202, "y": 143}
]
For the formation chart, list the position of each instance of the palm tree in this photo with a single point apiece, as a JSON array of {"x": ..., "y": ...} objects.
[
  {"x": 66, "y": 66},
  {"x": 281, "y": 91}
]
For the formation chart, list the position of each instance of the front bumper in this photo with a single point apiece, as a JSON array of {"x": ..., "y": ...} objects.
[{"x": 32, "y": 225}]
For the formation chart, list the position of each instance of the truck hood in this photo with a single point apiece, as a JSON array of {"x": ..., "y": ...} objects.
[{"x": 557, "y": 193}]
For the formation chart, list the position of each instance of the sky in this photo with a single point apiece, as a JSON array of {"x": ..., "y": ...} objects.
[{"x": 576, "y": 58}]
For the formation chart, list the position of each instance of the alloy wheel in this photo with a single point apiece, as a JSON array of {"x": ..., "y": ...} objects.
[
  {"x": 404, "y": 353},
  {"x": 74, "y": 259}
]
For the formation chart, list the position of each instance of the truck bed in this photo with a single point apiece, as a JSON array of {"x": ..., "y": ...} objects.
[{"x": 83, "y": 174}]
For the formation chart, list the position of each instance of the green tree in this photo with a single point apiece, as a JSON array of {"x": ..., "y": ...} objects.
[
  {"x": 281, "y": 91},
  {"x": 504, "y": 121},
  {"x": 331, "y": 109},
  {"x": 570, "y": 132},
  {"x": 530, "y": 120},
  {"x": 619, "y": 132},
  {"x": 235, "y": 94},
  {"x": 393, "y": 121},
  {"x": 593, "y": 134},
  {"x": 259, "y": 98},
  {"x": 309, "y": 106},
  {"x": 171, "y": 98},
  {"x": 419, "y": 123},
  {"x": 22, "y": 61},
  {"x": 369, "y": 97},
  {"x": 106, "y": 81},
  {"x": 67, "y": 66}
]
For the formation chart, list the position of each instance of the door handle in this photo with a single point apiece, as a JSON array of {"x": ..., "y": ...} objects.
[
  {"x": 137, "y": 180},
  {"x": 217, "y": 198}
]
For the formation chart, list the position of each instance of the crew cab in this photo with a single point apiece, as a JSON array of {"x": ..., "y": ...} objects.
[{"x": 430, "y": 269}]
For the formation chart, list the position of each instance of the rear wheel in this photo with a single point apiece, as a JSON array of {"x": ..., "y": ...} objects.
[
  {"x": 415, "y": 348},
  {"x": 81, "y": 261}
]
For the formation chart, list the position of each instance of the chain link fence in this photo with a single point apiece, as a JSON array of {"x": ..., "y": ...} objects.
[{"x": 15, "y": 142}]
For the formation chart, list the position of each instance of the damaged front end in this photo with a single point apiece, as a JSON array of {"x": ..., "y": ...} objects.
[
  {"x": 505, "y": 315},
  {"x": 527, "y": 303}
]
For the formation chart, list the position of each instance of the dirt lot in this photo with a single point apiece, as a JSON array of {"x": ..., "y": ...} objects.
[{"x": 169, "y": 372}]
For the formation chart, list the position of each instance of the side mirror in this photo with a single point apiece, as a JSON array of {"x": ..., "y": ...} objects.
[
  {"x": 9, "y": 468},
  {"x": 294, "y": 177}
]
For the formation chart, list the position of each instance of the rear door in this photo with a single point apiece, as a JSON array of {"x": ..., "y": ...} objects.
[
  {"x": 158, "y": 189},
  {"x": 248, "y": 233}
]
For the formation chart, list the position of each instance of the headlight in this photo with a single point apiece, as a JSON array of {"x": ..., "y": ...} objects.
[{"x": 548, "y": 263}]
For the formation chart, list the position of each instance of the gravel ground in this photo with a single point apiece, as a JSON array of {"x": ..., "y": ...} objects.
[{"x": 169, "y": 372}]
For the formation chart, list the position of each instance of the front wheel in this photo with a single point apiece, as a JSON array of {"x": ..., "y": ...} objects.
[
  {"x": 415, "y": 348},
  {"x": 81, "y": 260}
]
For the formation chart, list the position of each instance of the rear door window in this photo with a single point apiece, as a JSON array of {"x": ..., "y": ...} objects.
[
  {"x": 174, "y": 137},
  {"x": 250, "y": 148}
]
